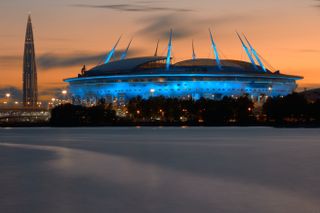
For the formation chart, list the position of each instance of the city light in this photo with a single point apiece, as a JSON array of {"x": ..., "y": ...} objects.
[
  {"x": 64, "y": 92},
  {"x": 8, "y": 95}
]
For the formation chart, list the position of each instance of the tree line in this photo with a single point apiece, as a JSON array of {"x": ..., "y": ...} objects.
[{"x": 293, "y": 109}]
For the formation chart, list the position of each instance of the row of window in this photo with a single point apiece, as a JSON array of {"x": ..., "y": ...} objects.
[{"x": 197, "y": 89}]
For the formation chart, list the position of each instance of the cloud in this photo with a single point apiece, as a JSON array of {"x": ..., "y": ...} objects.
[
  {"x": 141, "y": 6},
  {"x": 302, "y": 50},
  {"x": 50, "y": 60},
  {"x": 44, "y": 92},
  {"x": 15, "y": 92},
  {"x": 8, "y": 36},
  {"x": 159, "y": 26},
  {"x": 309, "y": 50},
  {"x": 48, "y": 93},
  {"x": 10, "y": 58},
  {"x": 318, "y": 4}
]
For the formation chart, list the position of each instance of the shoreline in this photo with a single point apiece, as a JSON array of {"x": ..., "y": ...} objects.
[{"x": 151, "y": 124}]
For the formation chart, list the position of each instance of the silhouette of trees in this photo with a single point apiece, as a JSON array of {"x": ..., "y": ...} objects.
[
  {"x": 227, "y": 110},
  {"x": 75, "y": 115},
  {"x": 289, "y": 110},
  {"x": 292, "y": 109},
  {"x": 209, "y": 111},
  {"x": 314, "y": 111}
]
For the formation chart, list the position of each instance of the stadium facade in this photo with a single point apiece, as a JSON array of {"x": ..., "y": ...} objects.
[{"x": 125, "y": 78}]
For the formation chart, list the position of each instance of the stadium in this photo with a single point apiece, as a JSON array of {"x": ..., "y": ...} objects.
[{"x": 125, "y": 78}]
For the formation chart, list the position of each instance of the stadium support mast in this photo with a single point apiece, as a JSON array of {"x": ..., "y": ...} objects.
[
  {"x": 248, "y": 53},
  {"x": 124, "y": 54},
  {"x": 193, "y": 52},
  {"x": 156, "y": 52},
  {"x": 111, "y": 53},
  {"x": 215, "y": 51},
  {"x": 255, "y": 54},
  {"x": 168, "y": 62}
]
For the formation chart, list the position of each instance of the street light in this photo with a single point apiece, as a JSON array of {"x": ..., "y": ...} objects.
[
  {"x": 8, "y": 95},
  {"x": 64, "y": 92}
]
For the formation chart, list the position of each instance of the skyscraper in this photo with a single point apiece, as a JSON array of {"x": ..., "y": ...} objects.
[{"x": 30, "y": 86}]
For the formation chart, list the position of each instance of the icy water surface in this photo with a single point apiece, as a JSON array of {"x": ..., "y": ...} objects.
[{"x": 161, "y": 170}]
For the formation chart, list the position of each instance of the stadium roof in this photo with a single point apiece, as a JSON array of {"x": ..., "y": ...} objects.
[
  {"x": 125, "y": 65},
  {"x": 207, "y": 66}
]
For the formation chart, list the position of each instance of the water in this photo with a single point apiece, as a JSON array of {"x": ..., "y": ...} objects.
[{"x": 159, "y": 170}]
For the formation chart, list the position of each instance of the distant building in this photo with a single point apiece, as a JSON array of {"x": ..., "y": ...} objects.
[
  {"x": 125, "y": 78},
  {"x": 30, "y": 86}
]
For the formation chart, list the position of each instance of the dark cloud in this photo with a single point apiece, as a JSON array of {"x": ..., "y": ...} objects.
[
  {"x": 49, "y": 60},
  {"x": 183, "y": 25},
  {"x": 309, "y": 50},
  {"x": 55, "y": 39},
  {"x": 141, "y": 6},
  {"x": 44, "y": 93},
  {"x": 160, "y": 26},
  {"x": 317, "y": 5},
  {"x": 51, "y": 92},
  {"x": 15, "y": 92},
  {"x": 303, "y": 50},
  {"x": 10, "y": 58},
  {"x": 8, "y": 36}
]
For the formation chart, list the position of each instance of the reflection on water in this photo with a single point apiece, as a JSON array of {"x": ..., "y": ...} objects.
[{"x": 159, "y": 170}]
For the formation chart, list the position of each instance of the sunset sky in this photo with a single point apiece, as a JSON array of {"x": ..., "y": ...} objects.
[{"x": 70, "y": 33}]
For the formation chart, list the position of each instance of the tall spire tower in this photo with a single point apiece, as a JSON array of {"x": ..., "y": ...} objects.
[{"x": 30, "y": 85}]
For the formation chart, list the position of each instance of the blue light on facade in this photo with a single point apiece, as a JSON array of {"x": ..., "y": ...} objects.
[
  {"x": 170, "y": 89},
  {"x": 215, "y": 51},
  {"x": 109, "y": 56},
  {"x": 248, "y": 53},
  {"x": 169, "y": 52},
  {"x": 201, "y": 77},
  {"x": 124, "y": 54},
  {"x": 256, "y": 55}
]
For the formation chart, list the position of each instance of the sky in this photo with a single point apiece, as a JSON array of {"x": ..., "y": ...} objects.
[{"x": 70, "y": 33}]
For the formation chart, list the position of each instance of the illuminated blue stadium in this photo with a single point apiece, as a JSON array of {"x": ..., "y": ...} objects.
[
  {"x": 147, "y": 77},
  {"x": 126, "y": 78}
]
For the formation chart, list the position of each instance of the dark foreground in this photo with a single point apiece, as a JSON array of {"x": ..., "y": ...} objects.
[{"x": 159, "y": 170}]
